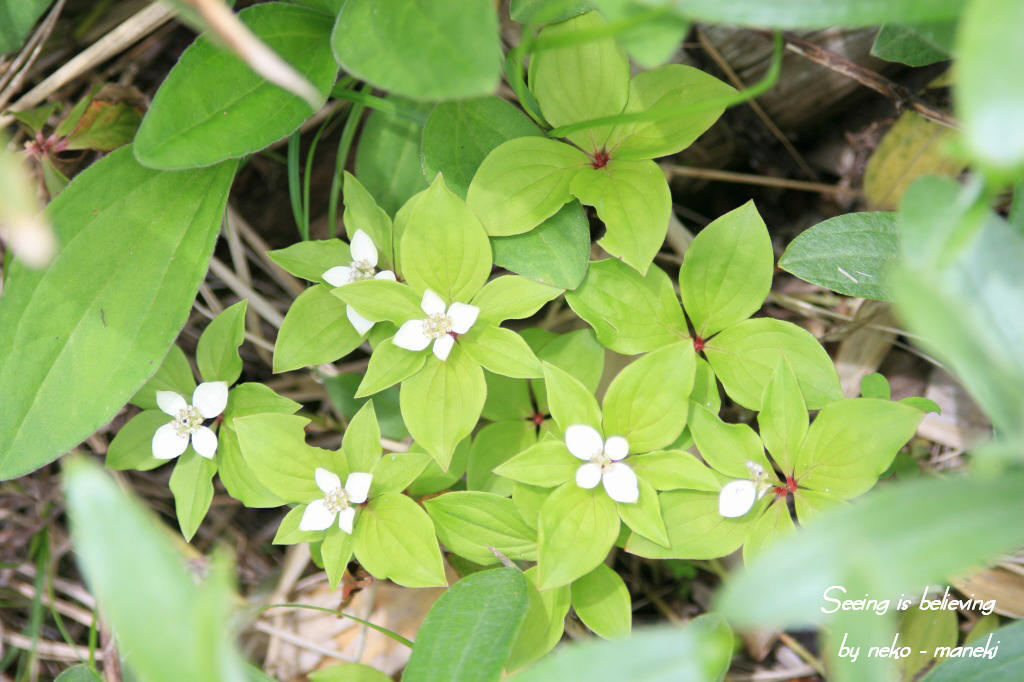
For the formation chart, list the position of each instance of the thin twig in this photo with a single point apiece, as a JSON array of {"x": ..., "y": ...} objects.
[
  {"x": 256, "y": 301},
  {"x": 13, "y": 76},
  {"x": 802, "y": 652},
  {"x": 54, "y": 651},
  {"x": 763, "y": 180}
]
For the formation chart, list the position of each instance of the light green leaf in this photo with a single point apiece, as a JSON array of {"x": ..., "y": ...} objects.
[
  {"x": 512, "y": 297},
  {"x": 633, "y": 202},
  {"x": 601, "y": 600},
  {"x": 695, "y": 529},
  {"x": 556, "y": 252},
  {"x": 315, "y": 330},
  {"x": 851, "y": 443},
  {"x": 745, "y": 355},
  {"x": 644, "y": 517},
  {"x": 442, "y": 403},
  {"x": 212, "y": 106},
  {"x": 348, "y": 672},
  {"x": 175, "y": 374},
  {"x": 395, "y": 471},
  {"x": 569, "y": 401},
  {"x": 434, "y": 479},
  {"x": 236, "y": 475},
  {"x": 577, "y": 528},
  {"x": 288, "y": 532},
  {"x": 651, "y": 41},
  {"x": 577, "y": 352},
  {"x": 726, "y": 447},
  {"x": 545, "y": 11},
  {"x": 523, "y": 182},
  {"x": 1003, "y": 668},
  {"x": 132, "y": 447},
  {"x": 528, "y": 500},
  {"x": 255, "y": 398},
  {"x": 502, "y": 351},
  {"x": 547, "y": 464},
  {"x": 407, "y": 48},
  {"x": 361, "y": 442},
  {"x": 217, "y": 351},
  {"x": 388, "y": 157},
  {"x": 926, "y": 631},
  {"x": 544, "y": 624},
  {"x": 669, "y": 87},
  {"x": 579, "y": 82},
  {"x": 809, "y": 504},
  {"x": 802, "y": 14},
  {"x": 646, "y": 403},
  {"x": 727, "y": 271},
  {"x": 444, "y": 247},
  {"x": 918, "y": 45},
  {"x": 630, "y": 313},
  {"x": 389, "y": 364},
  {"x": 782, "y": 421},
  {"x": 394, "y": 539},
  {"x": 192, "y": 486},
  {"x": 136, "y": 244},
  {"x": 507, "y": 399},
  {"x": 469, "y": 523},
  {"x": 336, "y": 552},
  {"x": 312, "y": 258},
  {"x": 674, "y": 469},
  {"x": 849, "y": 253},
  {"x": 16, "y": 19},
  {"x": 275, "y": 447},
  {"x": 495, "y": 444},
  {"x": 78, "y": 673},
  {"x": 774, "y": 523},
  {"x": 363, "y": 213},
  {"x": 381, "y": 299},
  {"x": 469, "y": 632},
  {"x": 875, "y": 385}
]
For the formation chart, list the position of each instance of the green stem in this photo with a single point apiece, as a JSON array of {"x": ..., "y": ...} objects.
[
  {"x": 294, "y": 188},
  {"x": 341, "y": 157},
  {"x": 306, "y": 180},
  {"x": 379, "y": 103},
  {"x": 514, "y": 74},
  {"x": 384, "y": 631},
  {"x": 608, "y": 30}
]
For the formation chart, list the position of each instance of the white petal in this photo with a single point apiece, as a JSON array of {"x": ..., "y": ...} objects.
[
  {"x": 385, "y": 274},
  {"x": 620, "y": 483},
  {"x": 170, "y": 402},
  {"x": 316, "y": 516},
  {"x": 357, "y": 486},
  {"x": 588, "y": 475},
  {"x": 340, "y": 275},
  {"x": 204, "y": 442},
  {"x": 362, "y": 248},
  {"x": 443, "y": 346},
  {"x": 432, "y": 303},
  {"x": 583, "y": 441},
  {"x": 736, "y": 498},
  {"x": 462, "y": 316},
  {"x": 167, "y": 444},
  {"x": 345, "y": 518},
  {"x": 327, "y": 481},
  {"x": 410, "y": 336},
  {"x": 616, "y": 448},
  {"x": 361, "y": 324},
  {"x": 210, "y": 398}
]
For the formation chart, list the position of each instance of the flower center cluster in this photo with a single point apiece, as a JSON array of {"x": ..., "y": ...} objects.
[
  {"x": 437, "y": 325},
  {"x": 187, "y": 421},
  {"x": 602, "y": 460},
  {"x": 361, "y": 270},
  {"x": 336, "y": 500}
]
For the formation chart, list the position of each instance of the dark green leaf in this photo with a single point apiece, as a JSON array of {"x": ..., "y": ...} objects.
[
  {"x": 915, "y": 45},
  {"x": 388, "y": 157}
]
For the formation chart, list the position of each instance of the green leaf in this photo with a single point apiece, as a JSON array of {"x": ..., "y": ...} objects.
[
  {"x": 745, "y": 355},
  {"x": 217, "y": 351},
  {"x": 673, "y": 469},
  {"x": 726, "y": 447},
  {"x": 545, "y": 11},
  {"x": 255, "y": 398},
  {"x": 212, "y": 106},
  {"x": 512, "y": 297},
  {"x": 774, "y": 523},
  {"x": 192, "y": 486},
  {"x": 348, "y": 672},
  {"x": 132, "y": 447},
  {"x": 556, "y": 252},
  {"x": 132, "y": 567},
  {"x": 630, "y": 313},
  {"x": 581, "y": 81},
  {"x": 646, "y": 403},
  {"x": 544, "y": 624},
  {"x": 1002, "y": 668},
  {"x": 727, "y": 271},
  {"x": 381, "y": 299},
  {"x": 388, "y": 157},
  {"x": 669, "y": 87},
  {"x": 782, "y": 421},
  {"x": 341, "y": 390},
  {"x": 601, "y": 600},
  {"x": 470, "y": 523},
  {"x": 315, "y": 330},
  {"x": 925, "y": 631},
  {"x": 394, "y": 539},
  {"x": 275, "y": 447},
  {"x": 569, "y": 401},
  {"x": 288, "y": 532},
  {"x": 444, "y": 247},
  {"x": 577, "y": 352},
  {"x": 849, "y": 254},
  {"x": 919, "y": 45},
  {"x": 236, "y": 475},
  {"x": 434, "y": 479},
  {"x": 389, "y": 364},
  {"x": 495, "y": 444},
  {"x": 458, "y": 136},
  {"x": 408, "y": 48},
  {"x": 442, "y": 403},
  {"x": 361, "y": 442},
  {"x": 507, "y": 399},
  {"x": 633, "y": 202},
  {"x": 523, "y": 182},
  {"x": 644, "y": 516},
  {"x": 851, "y": 443},
  {"x": 502, "y": 351},
  {"x": 107, "y": 122},
  {"x": 695, "y": 529},
  {"x": 395, "y": 471},
  {"x": 801, "y": 14},
  {"x": 875, "y": 385},
  {"x": 136, "y": 247},
  {"x": 311, "y": 259},
  {"x": 650, "y": 40},
  {"x": 577, "y": 528},
  {"x": 469, "y": 632},
  {"x": 16, "y": 19},
  {"x": 988, "y": 95},
  {"x": 336, "y": 552},
  {"x": 78, "y": 673},
  {"x": 547, "y": 464},
  {"x": 363, "y": 213}
]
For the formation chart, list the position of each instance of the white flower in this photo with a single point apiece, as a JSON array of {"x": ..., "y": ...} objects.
[
  {"x": 440, "y": 326},
  {"x": 602, "y": 462},
  {"x": 337, "y": 501},
  {"x": 363, "y": 266},
  {"x": 208, "y": 401},
  {"x": 737, "y": 497}
]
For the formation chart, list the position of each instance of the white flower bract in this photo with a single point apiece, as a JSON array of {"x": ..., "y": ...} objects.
[
  {"x": 602, "y": 463},
  {"x": 439, "y": 327},
  {"x": 337, "y": 501},
  {"x": 208, "y": 401},
  {"x": 738, "y": 497},
  {"x": 363, "y": 266}
]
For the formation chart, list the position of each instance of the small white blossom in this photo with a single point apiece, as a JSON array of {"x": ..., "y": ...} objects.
[
  {"x": 337, "y": 502},
  {"x": 602, "y": 462},
  {"x": 440, "y": 326},
  {"x": 363, "y": 266},
  {"x": 738, "y": 497},
  {"x": 208, "y": 401}
]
